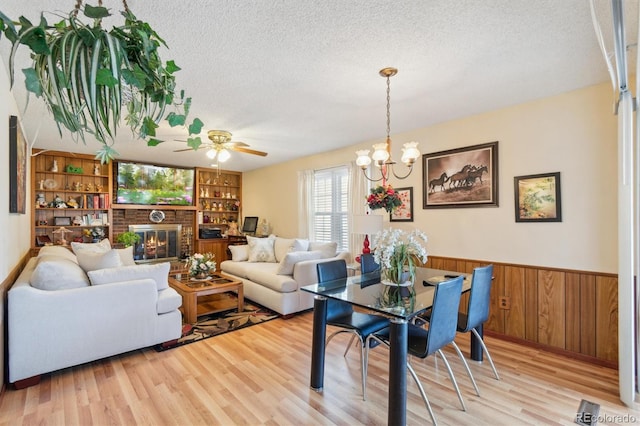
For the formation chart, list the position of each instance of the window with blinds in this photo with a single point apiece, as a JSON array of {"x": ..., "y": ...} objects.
[{"x": 330, "y": 206}]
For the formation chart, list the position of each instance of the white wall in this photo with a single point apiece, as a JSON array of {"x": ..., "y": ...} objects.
[
  {"x": 15, "y": 228},
  {"x": 573, "y": 133}
]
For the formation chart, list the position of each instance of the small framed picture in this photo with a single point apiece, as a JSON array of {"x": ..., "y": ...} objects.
[
  {"x": 61, "y": 221},
  {"x": 537, "y": 198},
  {"x": 404, "y": 213}
]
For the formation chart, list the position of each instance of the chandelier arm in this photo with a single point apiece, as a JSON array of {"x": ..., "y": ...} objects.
[
  {"x": 371, "y": 179},
  {"x": 402, "y": 177}
]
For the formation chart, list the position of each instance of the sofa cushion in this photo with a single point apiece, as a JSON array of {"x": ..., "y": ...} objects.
[
  {"x": 239, "y": 253},
  {"x": 239, "y": 269},
  {"x": 91, "y": 261},
  {"x": 57, "y": 273},
  {"x": 290, "y": 259},
  {"x": 57, "y": 251},
  {"x": 159, "y": 272},
  {"x": 100, "y": 247},
  {"x": 168, "y": 301},
  {"x": 328, "y": 249},
  {"x": 261, "y": 249},
  {"x": 265, "y": 275},
  {"x": 126, "y": 256},
  {"x": 282, "y": 246}
]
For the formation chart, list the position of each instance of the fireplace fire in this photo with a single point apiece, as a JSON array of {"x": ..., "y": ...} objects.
[{"x": 158, "y": 243}]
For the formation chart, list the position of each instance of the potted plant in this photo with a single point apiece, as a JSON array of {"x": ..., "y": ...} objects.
[
  {"x": 89, "y": 76},
  {"x": 128, "y": 238}
]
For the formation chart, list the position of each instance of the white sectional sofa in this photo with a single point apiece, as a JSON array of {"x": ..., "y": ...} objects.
[
  {"x": 273, "y": 270},
  {"x": 66, "y": 310}
]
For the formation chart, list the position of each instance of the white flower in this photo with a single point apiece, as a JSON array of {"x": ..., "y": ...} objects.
[
  {"x": 397, "y": 251},
  {"x": 201, "y": 263}
]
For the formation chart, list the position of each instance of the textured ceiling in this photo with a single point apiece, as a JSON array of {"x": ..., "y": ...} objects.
[{"x": 295, "y": 77}]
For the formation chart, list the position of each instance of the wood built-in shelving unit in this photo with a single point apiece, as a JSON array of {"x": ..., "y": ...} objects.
[{"x": 75, "y": 194}]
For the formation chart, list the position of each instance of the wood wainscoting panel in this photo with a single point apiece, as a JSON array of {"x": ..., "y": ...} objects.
[
  {"x": 551, "y": 308},
  {"x": 607, "y": 318},
  {"x": 568, "y": 311},
  {"x": 514, "y": 290},
  {"x": 588, "y": 315},
  {"x": 573, "y": 311},
  {"x": 531, "y": 304}
]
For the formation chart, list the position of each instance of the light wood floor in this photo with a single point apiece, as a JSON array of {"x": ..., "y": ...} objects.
[{"x": 260, "y": 376}]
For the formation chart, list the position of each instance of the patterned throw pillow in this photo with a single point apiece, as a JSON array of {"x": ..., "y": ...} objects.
[{"x": 261, "y": 249}]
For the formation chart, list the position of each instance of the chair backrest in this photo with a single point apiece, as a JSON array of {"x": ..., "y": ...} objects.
[
  {"x": 444, "y": 314},
  {"x": 369, "y": 270},
  {"x": 478, "y": 309},
  {"x": 368, "y": 263},
  {"x": 329, "y": 271}
]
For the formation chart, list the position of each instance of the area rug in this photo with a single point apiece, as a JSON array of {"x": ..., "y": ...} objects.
[{"x": 222, "y": 322}]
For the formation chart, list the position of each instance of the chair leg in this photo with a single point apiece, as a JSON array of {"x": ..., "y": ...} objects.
[
  {"x": 486, "y": 351},
  {"x": 466, "y": 366},
  {"x": 422, "y": 392},
  {"x": 453, "y": 379},
  {"x": 346, "y": 351},
  {"x": 364, "y": 360}
]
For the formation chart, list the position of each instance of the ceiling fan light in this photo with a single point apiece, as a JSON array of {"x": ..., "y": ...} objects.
[
  {"x": 224, "y": 155},
  {"x": 211, "y": 154}
]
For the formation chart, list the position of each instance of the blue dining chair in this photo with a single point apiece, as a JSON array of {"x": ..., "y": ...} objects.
[
  {"x": 369, "y": 270},
  {"x": 478, "y": 308},
  {"x": 341, "y": 314},
  {"x": 441, "y": 332}
]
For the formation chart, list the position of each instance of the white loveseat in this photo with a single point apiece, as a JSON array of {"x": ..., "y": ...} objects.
[
  {"x": 273, "y": 270},
  {"x": 60, "y": 315}
]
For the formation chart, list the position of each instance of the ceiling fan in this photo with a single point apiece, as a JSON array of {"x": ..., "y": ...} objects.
[{"x": 220, "y": 146}]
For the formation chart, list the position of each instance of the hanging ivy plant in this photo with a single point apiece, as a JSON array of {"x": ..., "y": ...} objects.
[{"x": 89, "y": 77}]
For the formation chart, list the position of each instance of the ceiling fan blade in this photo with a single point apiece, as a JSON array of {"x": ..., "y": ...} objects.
[
  {"x": 235, "y": 143},
  {"x": 208, "y": 146},
  {"x": 248, "y": 151}
]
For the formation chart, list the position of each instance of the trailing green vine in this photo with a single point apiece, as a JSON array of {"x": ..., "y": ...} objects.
[{"x": 89, "y": 77}]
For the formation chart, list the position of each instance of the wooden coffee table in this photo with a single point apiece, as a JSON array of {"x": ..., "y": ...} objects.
[{"x": 190, "y": 290}]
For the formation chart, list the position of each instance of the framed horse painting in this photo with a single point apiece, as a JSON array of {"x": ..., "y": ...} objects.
[{"x": 461, "y": 177}]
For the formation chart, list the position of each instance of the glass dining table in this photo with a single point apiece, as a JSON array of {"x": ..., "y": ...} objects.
[{"x": 364, "y": 291}]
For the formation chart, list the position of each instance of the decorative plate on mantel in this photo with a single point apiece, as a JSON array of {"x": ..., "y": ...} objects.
[{"x": 156, "y": 216}]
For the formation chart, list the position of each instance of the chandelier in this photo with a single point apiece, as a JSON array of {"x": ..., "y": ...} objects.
[{"x": 382, "y": 151}]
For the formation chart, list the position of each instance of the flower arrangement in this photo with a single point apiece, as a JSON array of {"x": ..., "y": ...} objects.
[
  {"x": 201, "y": 265},
  {"x": 384, "y": 197},
  {"x": 397, "y": 252}
]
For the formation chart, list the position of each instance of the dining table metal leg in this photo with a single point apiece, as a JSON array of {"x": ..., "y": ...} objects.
[
  {"x": 476, "y": 346},
  {"x": 318, "y": 342},
  {"x": 397, "y": 414}
]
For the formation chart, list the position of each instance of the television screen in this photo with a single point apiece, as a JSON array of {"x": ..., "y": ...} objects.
[{"x": 154, "y": 185}]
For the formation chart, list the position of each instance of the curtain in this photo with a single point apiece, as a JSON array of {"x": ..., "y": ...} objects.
[
  {"x": 358, "y": 190},
  {"x": 305, "y": 207}
]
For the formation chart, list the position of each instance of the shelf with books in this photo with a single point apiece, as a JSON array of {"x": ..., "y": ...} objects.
[{"x": 73, "y": 192}]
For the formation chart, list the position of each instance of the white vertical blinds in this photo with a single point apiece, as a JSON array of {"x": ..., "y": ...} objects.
[{"x": 331, "y": 206}]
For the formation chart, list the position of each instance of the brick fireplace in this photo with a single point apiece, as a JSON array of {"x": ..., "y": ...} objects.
[{"x": 123, "y": 219}]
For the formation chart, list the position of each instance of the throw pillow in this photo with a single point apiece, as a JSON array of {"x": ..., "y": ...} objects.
[
  {"x": 159, "y": 272},
  {"x": 328, "y": 249},
  {"x": 126, "y": 256},
  {"x": 239, "y": 253},
  {"x": 57, "y": 273},
  {"x": 261, "y": 249},
  {"x": 92, "y": 261},
  {"x": 101, "y": 247},
  {"x": 282, "y": 246},
  {"x": 290, "y": 259},
  {"x": 57, "y": 251}
]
